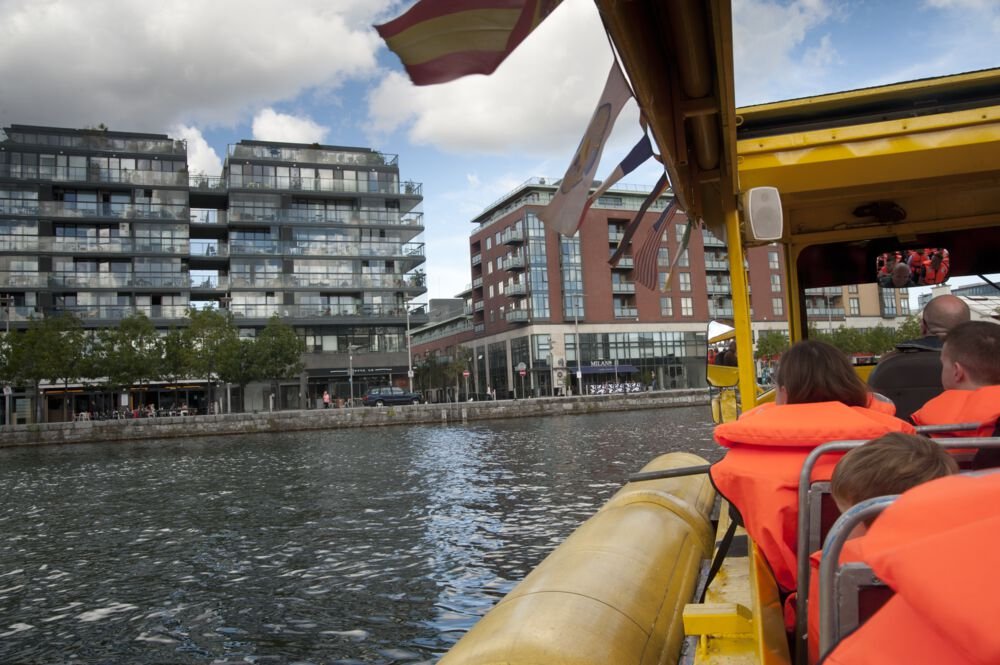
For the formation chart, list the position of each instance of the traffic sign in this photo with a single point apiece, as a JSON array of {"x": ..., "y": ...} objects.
[
  {"x": 465, "y": 373},
  {"x": 409, "y": 373},
  {"x": 523, "y": 372}
]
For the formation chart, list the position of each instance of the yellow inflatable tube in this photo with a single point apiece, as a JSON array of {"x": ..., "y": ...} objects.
[{"x": 615, "y": 590}]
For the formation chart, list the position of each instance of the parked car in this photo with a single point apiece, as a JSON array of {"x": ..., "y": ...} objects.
[{"x": 389, "y": 395}]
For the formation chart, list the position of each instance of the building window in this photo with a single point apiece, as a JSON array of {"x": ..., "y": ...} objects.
[
  {"x": 775, "y": 283},
  {"x": 778, "y": 306},
  {"x": 682, "y": 260},
  {"x": 687, "y": 307},
  {"x": 489, "y": 242},
  {"x": 855, "y": 306},
  {"x": 491, "y": 290},
  {"x": 904, "y": 305},
  {"x": 666, "y": 306},
  {"x": 663, "y": 257},
  {"x": 499, "y": 288},
  {"x": 853, "y": 288},
  {"x": 888, "y": 302},
  {"x": 772, "y": 261},
  {"x": 489, "y": 267},
  {"x": 680, "y": 231},
  {"x": 684, "y": 283}
]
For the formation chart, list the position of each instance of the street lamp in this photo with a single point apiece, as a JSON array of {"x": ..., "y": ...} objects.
[
  {"x": 409, "y": 350},
  {"x": 579, "y": 345},
  {"x": 350, "y": 373}
]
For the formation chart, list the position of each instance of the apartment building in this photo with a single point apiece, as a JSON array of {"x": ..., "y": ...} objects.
[
  {"x": 549, "y": 315},
  {"x": 104, "y": 224}
]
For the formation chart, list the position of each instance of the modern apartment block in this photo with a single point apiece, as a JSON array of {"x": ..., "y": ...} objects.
[
  {"x": 553, "y": 308},
  {"x": 103, "y": 224}
]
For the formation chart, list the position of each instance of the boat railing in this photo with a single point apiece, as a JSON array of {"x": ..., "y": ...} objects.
[
  {"x": 844, "y": 582},
  {"x": 810, "y": 518}
]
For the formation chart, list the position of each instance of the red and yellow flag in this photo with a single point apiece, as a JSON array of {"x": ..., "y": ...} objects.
[{"x": 442, "y": 40}]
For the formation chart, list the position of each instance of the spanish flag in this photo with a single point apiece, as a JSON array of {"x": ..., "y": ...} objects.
[{"x": 442, "y": 40}]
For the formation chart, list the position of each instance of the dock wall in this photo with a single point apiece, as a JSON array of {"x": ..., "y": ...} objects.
[{"x": 321, "y": 419}]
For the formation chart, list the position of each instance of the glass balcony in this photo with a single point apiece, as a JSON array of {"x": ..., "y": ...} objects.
[
  {"x": 518, "y": 289},
  {"x": 208, "y": 183},
  {"x": 337, "y": 185},
  {"x": 624, "y": 263},
  {"x": 626, "y": 312},
  {"x": 719, "y": 312},
  {"x": 23, "y": 279},
  {"x": 622, "y": 287},
  {"x": 719, "y": 289},
  {"x": 318, "y": 311},
  {"x": 174, "y": 246},
  {"x": 99, "y": 143},
  {"x": 477, "y": 283},
  {"x": 477, "y": 259},
  {"x": 63, "y": 210},
  {"x": 825, "y": 291},
  {"x": 517, "y": 316},
  {"x": 312, "y": 155},
  {"x": 364, "y": 217},
  {"x": 709, "y": 240},
  {"x": 478, "y": 306},
  {"x": 113, "y": 280},
  {"x": 93, "y": 174},
  {"x": 514, "y": 262},
  {"x": 119, "y": 312},
  {"x": 825, "y": 312},
  {"x": 512, "y": 237},
  {"x": 713, "y": 264}
]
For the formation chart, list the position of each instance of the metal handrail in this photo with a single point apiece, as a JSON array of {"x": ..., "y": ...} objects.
[
  {"x": 829, "y": 619},
  {"x": 802, "y": 542}
]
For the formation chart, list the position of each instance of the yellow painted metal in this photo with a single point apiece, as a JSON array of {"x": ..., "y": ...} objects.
[
  {"x": 741, "y": 622},
  {"x": 718, "y": 619},
  {"x": 614, "y": 590},
  {"x": 741, "y": 307},
  {"x": 958, "y": 143},
  {"x": 722, "y": 375}
]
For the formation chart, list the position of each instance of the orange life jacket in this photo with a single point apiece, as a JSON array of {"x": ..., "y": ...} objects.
[
  {"x": 760, "y": 472},
  {"x": 938, "y": 547},
  {"x": 963, "y": 406}
]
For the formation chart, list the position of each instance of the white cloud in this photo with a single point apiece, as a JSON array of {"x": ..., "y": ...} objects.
[
  {"x": 767, "y": 37},
  {"x": 202, "y": 158},
  {"x": 269, "y": 125},
  {"x": 146, "y": 66},
  {"x": 538, "y": 102}
]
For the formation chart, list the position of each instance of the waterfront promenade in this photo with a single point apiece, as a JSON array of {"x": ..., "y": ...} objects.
[{"x": 320, "y": 419}]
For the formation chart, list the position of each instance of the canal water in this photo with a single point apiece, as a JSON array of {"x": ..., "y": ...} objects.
[{"x": 349, "y": 546}]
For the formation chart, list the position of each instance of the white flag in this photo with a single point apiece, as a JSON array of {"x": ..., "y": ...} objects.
[{"x": 564, "y": 213}]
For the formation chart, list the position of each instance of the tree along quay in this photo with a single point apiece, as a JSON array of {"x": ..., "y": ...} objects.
[{"x": 319, "y": 419}]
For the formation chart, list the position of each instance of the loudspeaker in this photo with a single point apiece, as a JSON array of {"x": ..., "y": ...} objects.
[{"x": 762, "y": 210}]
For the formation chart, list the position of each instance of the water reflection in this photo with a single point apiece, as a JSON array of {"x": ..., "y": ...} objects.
[{"x": 374, "y": 546}]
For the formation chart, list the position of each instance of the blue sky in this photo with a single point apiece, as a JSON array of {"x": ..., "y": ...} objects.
[{"x": 218, "y": 71}]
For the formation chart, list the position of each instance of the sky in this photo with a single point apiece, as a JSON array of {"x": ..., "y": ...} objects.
[{"x": 215, "y": 72}]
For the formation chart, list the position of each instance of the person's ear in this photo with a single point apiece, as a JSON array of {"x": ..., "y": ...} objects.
[
  {"x": 780, "y": 395},
  {"x": 959, "y": 375}
]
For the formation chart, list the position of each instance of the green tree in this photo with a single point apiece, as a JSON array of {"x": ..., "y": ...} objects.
[
  {"x": 771, "y": 343},
  {"x": 279, "y": 352},
  {"x": 209, "y": 331},
  {"x": 71, "y": 362},
  {"x": 33, "y": 355},
  {"x": 238, "y": 364},
  {"x": 130, "y": 354},
  {"x": 910, "y": 329},
  {"x": 177, "y": 358}
]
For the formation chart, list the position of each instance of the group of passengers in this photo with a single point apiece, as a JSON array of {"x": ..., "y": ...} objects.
[
  {"x": 819, "y": 398},
  {"x": 915, "y": 267}
]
